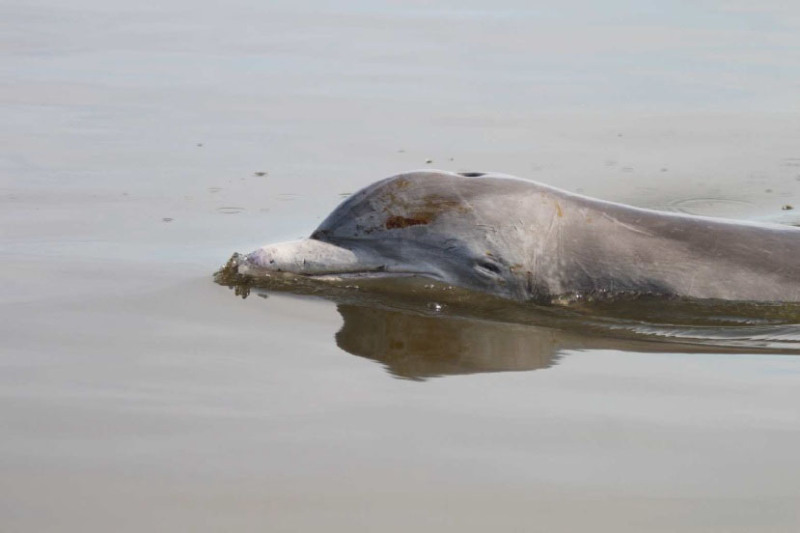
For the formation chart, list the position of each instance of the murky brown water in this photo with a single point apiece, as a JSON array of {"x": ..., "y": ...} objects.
[{"x": 142, "y": 145}]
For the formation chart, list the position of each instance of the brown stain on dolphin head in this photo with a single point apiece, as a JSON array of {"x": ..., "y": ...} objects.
[
  {"x": 397, "y": 221},
  {"x": 428, "y": 209}
]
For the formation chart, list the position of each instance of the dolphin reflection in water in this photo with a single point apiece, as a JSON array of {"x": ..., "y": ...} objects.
[{"x": 418, "y": 347}]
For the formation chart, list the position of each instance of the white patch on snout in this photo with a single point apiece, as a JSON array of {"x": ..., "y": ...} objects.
[{"x": 306, "y": 256}]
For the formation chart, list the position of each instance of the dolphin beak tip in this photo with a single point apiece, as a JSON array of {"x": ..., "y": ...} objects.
[{"x": 234, "y": 270}]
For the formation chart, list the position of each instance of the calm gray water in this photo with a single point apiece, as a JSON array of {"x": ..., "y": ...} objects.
[{"x": 137, "y": 395}]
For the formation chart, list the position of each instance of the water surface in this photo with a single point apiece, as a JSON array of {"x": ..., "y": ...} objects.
[{"x": 142, "y": 145}]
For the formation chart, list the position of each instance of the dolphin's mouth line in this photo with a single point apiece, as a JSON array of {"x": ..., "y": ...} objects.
[
  {"x": 246, "y": 267},
  {"x": 373, "y": 274}
]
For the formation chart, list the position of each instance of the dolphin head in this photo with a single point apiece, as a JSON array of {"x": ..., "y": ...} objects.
[{"x": 432, "y": 224}]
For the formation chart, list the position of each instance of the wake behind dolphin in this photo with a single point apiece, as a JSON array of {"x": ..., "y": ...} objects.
[{"x": 529, "y": 242}]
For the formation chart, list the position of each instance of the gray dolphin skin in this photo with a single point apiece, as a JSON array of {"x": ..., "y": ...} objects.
[{"x": 526, "y": 241}]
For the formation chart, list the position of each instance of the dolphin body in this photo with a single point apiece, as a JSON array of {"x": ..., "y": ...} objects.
[{"x": 527, "y": 241}]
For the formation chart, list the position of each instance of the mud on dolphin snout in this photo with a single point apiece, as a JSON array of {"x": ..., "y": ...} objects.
[{"x": 525, "y": 241}]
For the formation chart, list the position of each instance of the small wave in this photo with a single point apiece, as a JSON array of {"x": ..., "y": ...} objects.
[
  {"x": 230, "y": 210},
  {"x": 773, "y": 338},
  {"x": 288, "y": 197},
  {"x": 711, "y": 206}
]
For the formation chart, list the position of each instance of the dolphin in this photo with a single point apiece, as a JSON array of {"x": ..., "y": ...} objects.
[{"x": 530, "y": 242}]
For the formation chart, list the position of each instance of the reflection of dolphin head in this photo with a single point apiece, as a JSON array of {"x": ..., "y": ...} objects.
[
  {"x": 417, "y": 347},
  {"x": 433, "y": 224}
]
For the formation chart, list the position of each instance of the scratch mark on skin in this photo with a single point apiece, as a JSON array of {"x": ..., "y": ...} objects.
[
  {"x": 467, "y": 207},
  {"x": 691, "y": 281},
  {"x": 627, "y": 226},
  {"x": 550, "y": 228}
]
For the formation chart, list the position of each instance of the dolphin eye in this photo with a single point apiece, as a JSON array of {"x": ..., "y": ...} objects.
[{"x": 484, "y": 265}]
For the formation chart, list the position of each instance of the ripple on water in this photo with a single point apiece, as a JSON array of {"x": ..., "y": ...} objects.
[
  {"x": 288, "y": 197},
  {"x": 230, "y": 210},
  {"x": 712, "y": 206}
]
